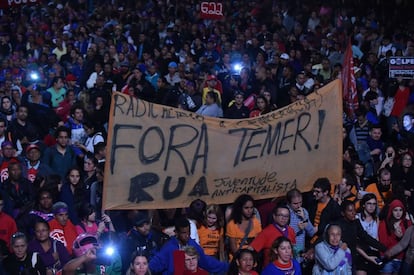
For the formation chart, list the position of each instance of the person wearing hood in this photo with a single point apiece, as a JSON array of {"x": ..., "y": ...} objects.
[
  {"x": 16, "y": 95},
  {"x": 332, "y": 256},
  {"x": 391, "y": 230}
]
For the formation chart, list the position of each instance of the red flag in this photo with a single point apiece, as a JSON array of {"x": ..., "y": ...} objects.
[{"x": 350, "y": 94}]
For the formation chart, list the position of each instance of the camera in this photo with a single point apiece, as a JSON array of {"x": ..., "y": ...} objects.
[{"x": 389, "y": 155}]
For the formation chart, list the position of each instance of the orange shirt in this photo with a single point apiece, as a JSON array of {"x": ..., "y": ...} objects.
[
  {"x": 372, "y": 188},
  {"x": 210, "y": 240},
  {"x": 233, "y": 231},
  {"x": 320, "y": 207}
]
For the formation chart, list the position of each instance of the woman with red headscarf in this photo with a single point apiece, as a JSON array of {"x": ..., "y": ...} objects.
[{"x": 390, "y": 232}]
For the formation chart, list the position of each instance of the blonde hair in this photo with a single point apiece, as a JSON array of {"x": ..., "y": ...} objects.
[
  {"x": 216, "y": 210},
  {"x": 191, "y": 251}
]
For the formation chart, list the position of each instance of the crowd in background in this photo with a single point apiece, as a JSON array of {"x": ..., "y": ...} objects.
[{"x": 62, "y": 60}]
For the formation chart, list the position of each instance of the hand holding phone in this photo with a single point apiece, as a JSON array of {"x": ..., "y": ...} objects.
[
  {"x": 300, "y": 213},
  {"x": 378, "y": 261}
]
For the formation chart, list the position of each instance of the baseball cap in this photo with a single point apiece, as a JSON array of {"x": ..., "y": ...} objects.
[
  {"x": 124, "y": 64},
  {"x": 238, "y": 92},
  {"x": 172, "y": 65},
  {"x": 284, "y": 56},
  {"x": 141, "y": 218},
  {"x": 70, "y": 77},
  {"x": 32, "y": 146},
  {"x": 211, "y": 77},
  {"x": 83, "y": 243}
]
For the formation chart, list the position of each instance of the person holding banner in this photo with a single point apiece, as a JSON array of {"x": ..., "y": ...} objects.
[
  {"x": 163, "y": 261},
  {"x": 188, "y": 265}
]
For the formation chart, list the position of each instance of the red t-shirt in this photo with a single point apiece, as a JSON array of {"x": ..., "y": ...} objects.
[
  {"x": 265, "y": 239},
  {"x": 7, "y": 228},
  {"x": 65, "y": 234}
]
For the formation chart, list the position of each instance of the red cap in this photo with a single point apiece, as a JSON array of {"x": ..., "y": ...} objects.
[
  {"x": 32, "y": 146},
  {"x": 70, "y": 77},
  {"x": 211, "y": 77}
]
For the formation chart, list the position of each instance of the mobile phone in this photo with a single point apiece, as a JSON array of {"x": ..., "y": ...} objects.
[{"x": 379, "y": 261}]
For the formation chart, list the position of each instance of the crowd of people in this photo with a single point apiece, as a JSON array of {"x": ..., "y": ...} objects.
[{"x": 62, "y": 60}]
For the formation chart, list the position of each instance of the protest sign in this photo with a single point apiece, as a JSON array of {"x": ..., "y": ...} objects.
[
  {"x": 211, "y": 10},
  {"x": 163, "y": 157},
  {"x": 4, "y": 4},
  {"x": 401, "y": 66}
]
